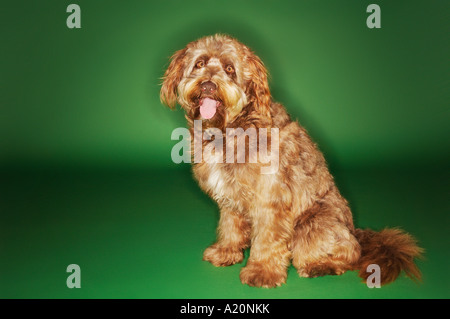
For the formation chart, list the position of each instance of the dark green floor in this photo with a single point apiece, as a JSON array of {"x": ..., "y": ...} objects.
[{"x": 141, "y": 234}]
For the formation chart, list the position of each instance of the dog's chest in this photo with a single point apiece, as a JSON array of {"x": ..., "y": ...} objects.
[{"x": 233, "y": 185}]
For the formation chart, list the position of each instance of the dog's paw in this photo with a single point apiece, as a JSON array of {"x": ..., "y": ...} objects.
[
  {"x": 223, "y": 256},
  {"x": 261, "y": 275}
]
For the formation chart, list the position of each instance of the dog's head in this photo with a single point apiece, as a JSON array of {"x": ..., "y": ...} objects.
[{"x": 217, "y": 79}]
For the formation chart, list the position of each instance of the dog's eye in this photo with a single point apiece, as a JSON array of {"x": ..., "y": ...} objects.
[
  {"x": 229, "y": 69},
  {"x": 200, "y": 64}
]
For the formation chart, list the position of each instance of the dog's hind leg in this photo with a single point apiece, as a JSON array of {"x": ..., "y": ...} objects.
[{"x": 324, "y": 241}]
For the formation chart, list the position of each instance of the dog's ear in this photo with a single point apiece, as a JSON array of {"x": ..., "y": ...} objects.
[
  {"x": 258, "y": 87},
  {"x": 172, "y": 78}
]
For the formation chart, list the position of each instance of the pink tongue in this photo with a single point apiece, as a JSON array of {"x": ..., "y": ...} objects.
[{"x": 208, "y": 108}]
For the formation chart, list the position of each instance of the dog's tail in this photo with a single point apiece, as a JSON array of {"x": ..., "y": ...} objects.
[{"x": 392, "y": 250}]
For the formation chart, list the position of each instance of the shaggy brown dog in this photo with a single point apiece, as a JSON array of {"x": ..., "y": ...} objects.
[{"x": 294, "y": 214}]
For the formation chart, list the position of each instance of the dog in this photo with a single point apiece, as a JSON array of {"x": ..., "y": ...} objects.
[{"x": 293, "y": 215}]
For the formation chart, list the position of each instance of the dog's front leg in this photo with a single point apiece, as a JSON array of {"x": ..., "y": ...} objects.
[
  {"x": 269, "y": 254},
  {"x": 233, "y": 234}
]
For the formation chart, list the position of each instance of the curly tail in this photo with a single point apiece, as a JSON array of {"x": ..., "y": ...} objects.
[{"x": 392, "y": 250}]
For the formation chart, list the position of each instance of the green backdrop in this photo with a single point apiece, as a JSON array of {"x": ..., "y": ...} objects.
[{"x": 86, "y": 173}]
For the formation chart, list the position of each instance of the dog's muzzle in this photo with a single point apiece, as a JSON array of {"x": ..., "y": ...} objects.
[{"x": 208, "y": 105}]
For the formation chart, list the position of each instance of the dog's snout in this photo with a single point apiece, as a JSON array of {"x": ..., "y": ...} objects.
[{"x": 208, "y": 87}]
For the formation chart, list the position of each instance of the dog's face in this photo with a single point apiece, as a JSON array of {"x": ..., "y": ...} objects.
[{"x": 216, "y": 79}]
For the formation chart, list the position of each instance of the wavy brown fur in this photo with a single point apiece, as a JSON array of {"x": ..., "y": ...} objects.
[
  {"x": 392, "y": 249},
  {"x": 294, "y": 215}
]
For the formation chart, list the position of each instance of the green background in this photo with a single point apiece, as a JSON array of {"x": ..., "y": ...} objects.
[{"x": 86, "y": 173}]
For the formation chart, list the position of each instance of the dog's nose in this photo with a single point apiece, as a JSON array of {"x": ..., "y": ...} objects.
[{"x": 208, "y": 87}]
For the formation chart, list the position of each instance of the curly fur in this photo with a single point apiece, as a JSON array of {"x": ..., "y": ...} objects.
[{"x": 293, "y": 215}]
